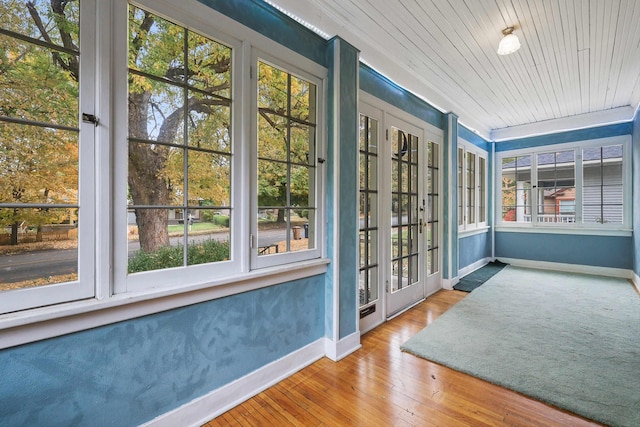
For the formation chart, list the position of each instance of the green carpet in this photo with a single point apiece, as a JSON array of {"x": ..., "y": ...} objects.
[
  {"x": 567, "y": 339},
  {"x": 476, "y": 278}
]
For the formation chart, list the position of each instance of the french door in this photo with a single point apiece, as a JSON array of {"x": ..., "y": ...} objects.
[
  {"x": 405, "y": 273},
  {"x": 399, "y": 216}
]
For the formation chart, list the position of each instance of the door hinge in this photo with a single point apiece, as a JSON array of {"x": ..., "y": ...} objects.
[{"x": 387, "y": 134}]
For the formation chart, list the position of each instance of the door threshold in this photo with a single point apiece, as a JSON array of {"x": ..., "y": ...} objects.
[{"x": 409, "y": 307}]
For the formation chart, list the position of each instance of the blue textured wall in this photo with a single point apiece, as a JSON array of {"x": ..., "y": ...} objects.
[
  {"x": 264, "y": 19},
  {"x": 382, "y": 88},
  {"x": 636, "y": 193},
  {"x": 474, "y": 248},
  {"x": 349, "y": 196},
  {"x": 473, "y": 138},
  {"x": 600, "y": 251},
  {"x": 569, "y": 136},
  {"x": 130, "y": 372},
  {"x": 596, "y": 251}
]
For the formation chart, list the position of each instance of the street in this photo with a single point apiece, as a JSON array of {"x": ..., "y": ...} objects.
[{"x": 54, "y": 262}]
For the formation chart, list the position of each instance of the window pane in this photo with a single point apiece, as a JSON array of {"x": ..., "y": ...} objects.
[
  {"x": 180, "y": 142},
  {"x": 209, "y": 237},
  {"x": 461, "y": 161},
  {"x": 38, "y": 84},
  {"x": 286, "y": 162},
  {"x": 302, "y": 144},
  {"x": 603, "y": 189},
  {"x": 38, "y": 247},
  {"x": 151, "y": 103},
  {"x": 556, "y": 183},
  {"x": 303, "y": 99},
  {"x": 272, "y": 137},
  {"x": 516, "y": 189},
  {"x": 210, "y": 129},
  {"x": 272, "y": 90},
  {"x": 156, "y": 46},
  {"x": 471, "y": 188},
  {"x": 39, "y": 158},
  {"x": 482, "y": 185},
  {"x": 18, "y": 17},
  {"x": 209, "y": 179},
  {"x": 209, "y": 65}
]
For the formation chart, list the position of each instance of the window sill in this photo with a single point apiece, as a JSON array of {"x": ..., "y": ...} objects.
[
  {"x": 47, "y": 322},
  {"x": 472, "y": 232},
  {"x": 563, "y": 230}
]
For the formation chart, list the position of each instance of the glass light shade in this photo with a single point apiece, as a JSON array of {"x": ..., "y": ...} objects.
[{"x": 508, "y": 44}]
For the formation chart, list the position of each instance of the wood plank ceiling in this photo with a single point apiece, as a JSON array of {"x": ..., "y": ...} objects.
[{"x": 577, "y": 56}]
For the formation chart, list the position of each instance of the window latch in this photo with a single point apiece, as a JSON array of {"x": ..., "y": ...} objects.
[{"x": 90, "y": 118}]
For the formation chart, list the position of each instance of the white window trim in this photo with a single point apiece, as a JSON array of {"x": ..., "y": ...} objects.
[
  {"x": 167, "y": 278},
  {"x": 466, "y": 229},
  {"x": 111, "y": 300},
  {"x": 297, "y": 69},
  {"x": 623, "y": 229},
  {"x": 88, "y": 138}
]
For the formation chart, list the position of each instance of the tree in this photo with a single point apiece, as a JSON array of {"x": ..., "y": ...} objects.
[
  {"x": 179, "y": 118},
  {"x": 173, "y": 93},
  {"x": 38, "y": 165},
  {"x": 286, "y": 139}
]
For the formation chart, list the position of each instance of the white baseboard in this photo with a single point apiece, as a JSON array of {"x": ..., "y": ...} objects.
[
  {"x": 344, "y": 347},
  {"x": 636, "y": 281},
  {"x": 473, "y": 267},
  {"x": 209, "y": 406},
  {"x": 570, "y": 268},
  {"x": 448, "y": 284}
]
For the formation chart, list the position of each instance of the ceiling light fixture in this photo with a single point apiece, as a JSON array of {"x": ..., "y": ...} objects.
[{"x": 509, "y": 42}]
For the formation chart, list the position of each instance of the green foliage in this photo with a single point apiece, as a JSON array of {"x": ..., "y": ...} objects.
[
  {"x": 172, "y": 256},
  {"x": 221, "y": 220}
]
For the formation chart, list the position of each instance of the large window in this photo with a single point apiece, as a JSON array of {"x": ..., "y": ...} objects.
[
  {"x": 571, "y": 185},
  {"x": 287, "y": 163},
  {"x": 179, "y": 168},
  {"x": 472, "y": 186},
  {"x": 46, "y": 215},
  {"x": 163, "y": 156}
]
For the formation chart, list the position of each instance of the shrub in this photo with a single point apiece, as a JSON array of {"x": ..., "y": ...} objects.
[
  {"x": 221, "y": 220},
  {"x": 171, "y": 256}
]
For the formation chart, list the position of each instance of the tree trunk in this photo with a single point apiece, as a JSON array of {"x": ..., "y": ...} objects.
[
  {"x": 147, "y": 186},
  {"x": 14, "y": 233},
  {"x": 153, "y": 223}
]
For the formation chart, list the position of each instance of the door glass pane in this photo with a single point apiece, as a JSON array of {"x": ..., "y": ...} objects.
[
  {"x": 368, "y": 212},
  {"x": 432, "y": 208},
  {"x": 404, "y": 209}
]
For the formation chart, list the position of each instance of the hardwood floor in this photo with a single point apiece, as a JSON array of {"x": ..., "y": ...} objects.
[{"x": 381, "y": 386}]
